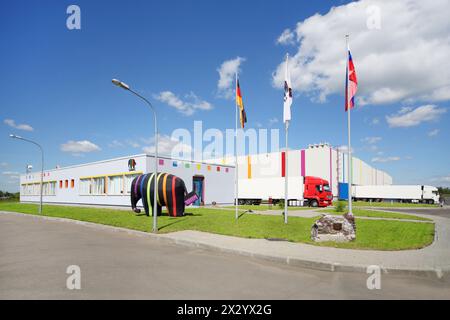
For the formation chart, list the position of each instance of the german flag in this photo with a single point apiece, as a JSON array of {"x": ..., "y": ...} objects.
[{"x": 240, "y": 104}]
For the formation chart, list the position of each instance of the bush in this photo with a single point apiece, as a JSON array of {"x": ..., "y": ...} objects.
[
  {"x": 340, "y": 206},
  {"x": 281, "y": 204}
]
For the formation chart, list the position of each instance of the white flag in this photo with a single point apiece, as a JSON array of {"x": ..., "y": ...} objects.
[{"x": 287, "y": 93}]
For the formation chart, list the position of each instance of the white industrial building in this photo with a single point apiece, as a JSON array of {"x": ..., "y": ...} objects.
[
  {"x": 108, "y": 182},
  {"x": 319, "y": 160}
]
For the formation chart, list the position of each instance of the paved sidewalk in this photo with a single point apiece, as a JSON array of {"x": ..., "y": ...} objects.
[{"x": 432, "y": 261}]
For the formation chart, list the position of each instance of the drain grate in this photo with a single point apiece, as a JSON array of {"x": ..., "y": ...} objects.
[{"x": 276, "y": 239}]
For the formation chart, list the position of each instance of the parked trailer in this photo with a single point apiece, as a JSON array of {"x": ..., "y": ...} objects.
[
  {"x": 310, "y": 191},
  {"x": 405, "y": 193}
]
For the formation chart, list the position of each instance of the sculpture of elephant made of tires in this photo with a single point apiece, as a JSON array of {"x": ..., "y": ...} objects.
[{"x": 171, "y": 193}]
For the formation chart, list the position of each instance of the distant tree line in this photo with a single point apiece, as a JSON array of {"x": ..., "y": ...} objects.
[
  {"x": 8, "y": 195},
  {"x": 444, "y": 190}
]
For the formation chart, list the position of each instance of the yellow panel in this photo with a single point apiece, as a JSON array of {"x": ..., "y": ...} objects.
[
  {"x": 111, "y": 175},
  {"x": 37, "y": 182}
]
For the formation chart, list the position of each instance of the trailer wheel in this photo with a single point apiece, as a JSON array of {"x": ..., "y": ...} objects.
[{"x": 313, "y": 203}]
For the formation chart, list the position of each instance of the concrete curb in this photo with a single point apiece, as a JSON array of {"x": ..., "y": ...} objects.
[{"x": 438, "y": 273}]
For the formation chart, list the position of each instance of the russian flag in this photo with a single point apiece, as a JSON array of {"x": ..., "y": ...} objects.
[{"x": 351, "y": 83}]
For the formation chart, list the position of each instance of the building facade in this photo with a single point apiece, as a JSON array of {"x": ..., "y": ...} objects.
[
  {"x": 320, "y": 160},
  {"x": 108, "y": 182}
]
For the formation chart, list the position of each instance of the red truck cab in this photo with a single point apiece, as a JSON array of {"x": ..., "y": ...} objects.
[{"x": 317, "y": 192}]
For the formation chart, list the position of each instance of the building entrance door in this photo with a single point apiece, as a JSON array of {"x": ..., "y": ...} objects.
[{"x": 199, "y": 186}]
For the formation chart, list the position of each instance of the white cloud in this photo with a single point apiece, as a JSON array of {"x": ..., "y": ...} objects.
[
  {"x": 132, "y": 144},
  {"x": 409, "y": 117},
  {"x": 167, "y": 146},
  {"x": 3, "y": 164},
  {"x": 12, "y": 124},
  {"x": 187, "y": 107},
  {"x": 372, "y": 148},
  {"x": 403, "y": 61},
  {"x": 10, "y": 173},
  {"x": 115, "y": 144},
  {"x": 272, "y": 121},
  {"x": 344, "y": 149},
  {"x": 122, "y": 144},
  {"x": 433, "y": 133},
  {"x": 375, "y": 121},
  {"x": 385, "y": 159},
  {"x": 442, "y": 180},
  {"x": 79, "y": 147},
  {"x": 227, "y": 73},
  {"x": 287, "y": 37},
  {"x": 371, "y": 140}
]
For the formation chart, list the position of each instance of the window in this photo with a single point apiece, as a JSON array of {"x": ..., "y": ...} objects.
[
  {"x": 36, "y": 189},
  {"x": 60, "y": 184},
  {"x": 119, "y": 184},
  {"x": 49, "y": 188},
  {"x": 326, "y": 187},
  {"x": 72, "y": 183},
  {"x": 85, "y": 186},
  {"x": 98, "y": 185},
  {"x": 52, "y": 188},
  {"x": 67, "y": 184},
  {"x": 128, "y": 180},
  {"x": 25, "y": 189},
  {"x": 115, "y": 185}
]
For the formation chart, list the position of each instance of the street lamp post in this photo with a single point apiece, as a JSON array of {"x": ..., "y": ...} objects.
[
  {"x": 42, "y": 164},
  {"x": 155, "y": 211}
]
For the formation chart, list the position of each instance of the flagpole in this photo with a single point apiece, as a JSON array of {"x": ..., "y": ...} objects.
[
  {"x": 236, "y": 176},
  {"x": 286, "y": 176},
  {"x": 286, "y": 162},
  {"x": 350, "y": 169}
]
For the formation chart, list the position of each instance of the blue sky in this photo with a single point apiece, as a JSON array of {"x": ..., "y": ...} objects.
[{"x": 56, "y": 82}]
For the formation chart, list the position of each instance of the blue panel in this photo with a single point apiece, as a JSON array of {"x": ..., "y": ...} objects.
[
  {"x": 198, "y": 188},
  {"x": 343, "y": 191}
]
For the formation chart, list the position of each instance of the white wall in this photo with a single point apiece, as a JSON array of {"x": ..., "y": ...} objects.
[
  {"x": 218, "y": 178},
  {"x": 323, "y": 162},
  {"x": 219, "y": 185}
]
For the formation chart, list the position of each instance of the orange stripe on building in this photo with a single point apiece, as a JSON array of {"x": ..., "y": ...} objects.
[{"x": 249, "y": 167}]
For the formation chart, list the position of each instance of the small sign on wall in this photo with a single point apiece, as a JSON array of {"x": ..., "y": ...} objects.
[{"x": 131, "y": 165}]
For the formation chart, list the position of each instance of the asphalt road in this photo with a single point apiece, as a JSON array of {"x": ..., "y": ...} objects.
[
  {"x": 35, "y": 253},
  {"x": 441, "y": 212}
]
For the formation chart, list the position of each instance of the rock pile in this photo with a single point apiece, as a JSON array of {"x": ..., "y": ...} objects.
[{"x": 334, "y": 228}]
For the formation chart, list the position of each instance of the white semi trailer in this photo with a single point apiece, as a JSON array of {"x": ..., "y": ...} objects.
[
  {"x": 311, "y": 191},
  {"x": 405, "y": 193}
]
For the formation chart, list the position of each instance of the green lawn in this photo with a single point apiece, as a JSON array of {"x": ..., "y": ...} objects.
[
  {"x": 379, "y": 214},
  {"x": 392, "y": 205},
  {"x": 265, "y": 207},
  {"x": 371, "y": 234}
]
